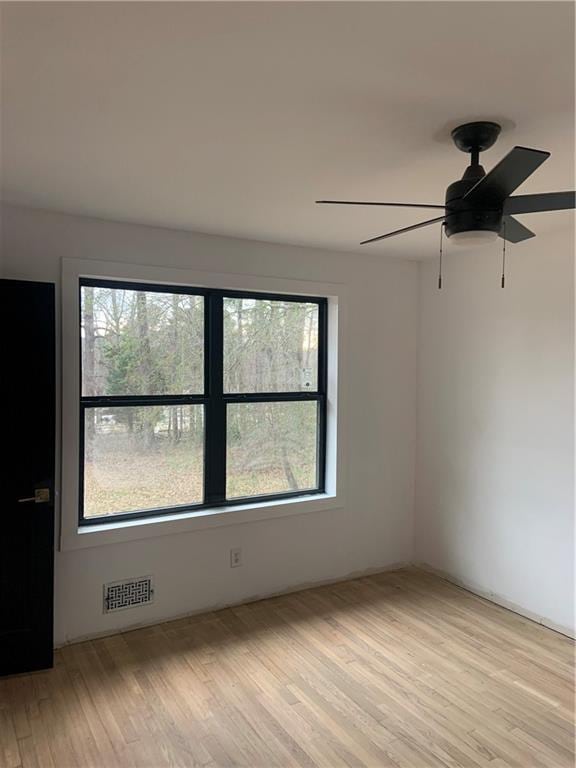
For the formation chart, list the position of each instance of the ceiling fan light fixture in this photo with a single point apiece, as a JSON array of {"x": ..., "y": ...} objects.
[{"x": 474, "y": 237}]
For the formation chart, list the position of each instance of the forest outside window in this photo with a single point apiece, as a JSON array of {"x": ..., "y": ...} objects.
[{"x": 195, "y": 398}]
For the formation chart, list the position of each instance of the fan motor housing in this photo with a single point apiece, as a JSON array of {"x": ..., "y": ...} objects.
[{"x": 461, "y": 216}]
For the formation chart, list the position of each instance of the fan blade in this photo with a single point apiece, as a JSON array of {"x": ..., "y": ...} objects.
[
  {"x": 405, "y": 229},
  {"x": 513, "y": 231},
  {"x": 548, "y": 201},
  {"x": 506, "y": 176},
  {"x": 395, "y": 205}
]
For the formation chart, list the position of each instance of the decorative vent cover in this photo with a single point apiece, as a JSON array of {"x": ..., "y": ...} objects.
[{"x": 129, "y": 593}]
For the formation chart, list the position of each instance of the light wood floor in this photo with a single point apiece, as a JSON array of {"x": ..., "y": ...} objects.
[{"x": 398, "y": 669}]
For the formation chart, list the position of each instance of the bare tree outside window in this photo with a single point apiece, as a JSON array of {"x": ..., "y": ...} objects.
[
  {"x": 272, "y": 448},
  {"x": 270, "y": 346},
  {"x": 138, "y": 460},
  {"x": 141, "y": 342}
]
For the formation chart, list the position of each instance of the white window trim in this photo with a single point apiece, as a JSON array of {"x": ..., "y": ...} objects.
[{"x": 73, "y": 536}]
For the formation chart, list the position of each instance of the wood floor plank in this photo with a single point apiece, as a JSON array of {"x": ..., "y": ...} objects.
[
  {"x": 9, "y": 750},
  {"x": 395, "y": 670}
]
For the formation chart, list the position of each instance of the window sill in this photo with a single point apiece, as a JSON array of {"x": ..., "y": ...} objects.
[{"x": 111, "y": 532}]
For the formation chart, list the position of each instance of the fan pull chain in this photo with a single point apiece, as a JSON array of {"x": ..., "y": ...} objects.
[
  {"x": 440, "y": 265},
  {"x": 503, "y": 280}
]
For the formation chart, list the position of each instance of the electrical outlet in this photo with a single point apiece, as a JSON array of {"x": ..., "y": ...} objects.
[{"x": 235, "y": 557}]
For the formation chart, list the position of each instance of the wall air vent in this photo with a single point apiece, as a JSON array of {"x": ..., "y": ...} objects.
[{"x": 129, "y": 593}]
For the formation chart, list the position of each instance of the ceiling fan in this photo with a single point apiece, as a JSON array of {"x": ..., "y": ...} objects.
[{"x": 479, "y": 206}]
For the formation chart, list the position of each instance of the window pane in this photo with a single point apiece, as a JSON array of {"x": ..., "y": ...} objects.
[
  {"x": 138, "y": 458},
  {"x": 270, "y": 346},
  {"x": 141, "y": 342},
  {"x": 271, "y": 448}
]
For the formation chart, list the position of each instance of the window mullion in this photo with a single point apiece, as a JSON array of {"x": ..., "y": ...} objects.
[
  {"x": 272, "y": 397},
  {"x": 215, "y": 453},
  {"x": 122, "y": 401},
  {"x": 322, "y": 347}
]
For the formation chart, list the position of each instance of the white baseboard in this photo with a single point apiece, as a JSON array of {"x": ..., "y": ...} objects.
[
  {"x": 244, "y": 601},
  {"x": 493, "y": 597},
  {"x": 462, "y": 583}
]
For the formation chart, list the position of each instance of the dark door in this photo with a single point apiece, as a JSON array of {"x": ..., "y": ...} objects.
[{"x": 27, "y": 387}]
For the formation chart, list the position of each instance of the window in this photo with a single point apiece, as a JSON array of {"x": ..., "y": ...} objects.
[{"x": 194, "y": 398}]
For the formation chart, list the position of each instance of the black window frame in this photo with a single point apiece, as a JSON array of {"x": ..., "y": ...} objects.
[{"x": 214, "y": 400}]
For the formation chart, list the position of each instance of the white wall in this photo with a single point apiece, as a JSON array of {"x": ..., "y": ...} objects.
[
  {"x": 495, "y": 424},
  {"x": 373, "y": 530}
]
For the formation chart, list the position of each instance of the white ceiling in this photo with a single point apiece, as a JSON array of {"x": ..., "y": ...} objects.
[{"x": 232, "y": 118}]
